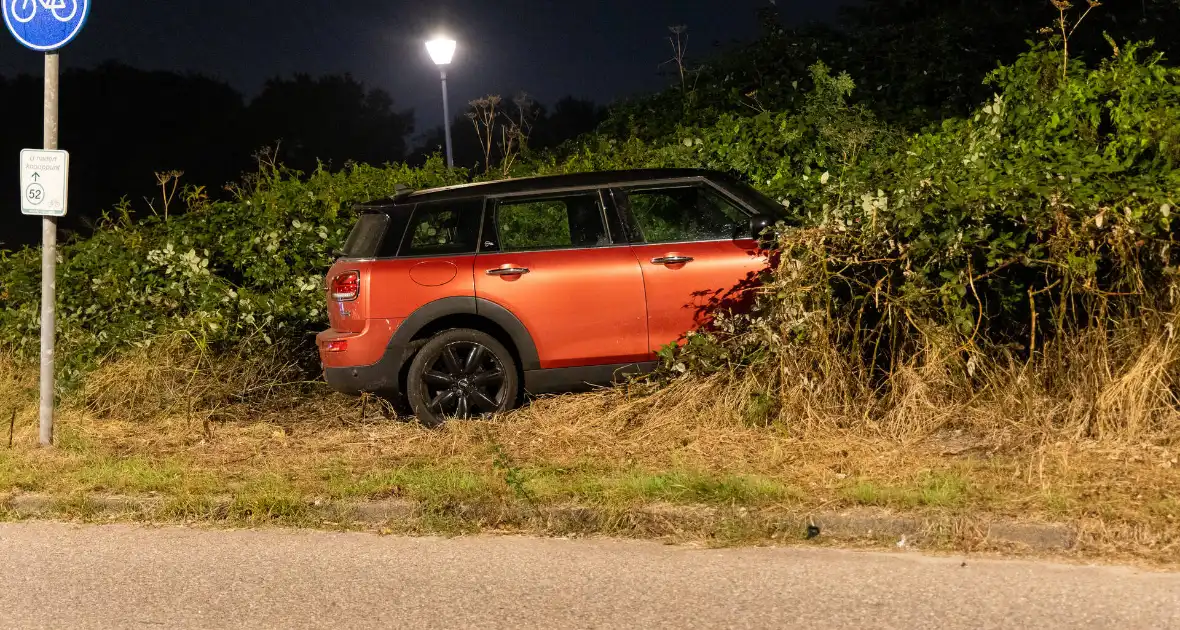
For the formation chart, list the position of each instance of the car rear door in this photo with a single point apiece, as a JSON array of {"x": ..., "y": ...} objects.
[
  {"x": 552, "y": 261},
  {"x": 695, "y": 250}
]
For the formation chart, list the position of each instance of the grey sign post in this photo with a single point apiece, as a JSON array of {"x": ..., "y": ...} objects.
[{"x": 46, "y": 26}]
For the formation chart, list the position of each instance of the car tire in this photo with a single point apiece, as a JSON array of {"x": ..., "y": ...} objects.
[{"x": 461, "y": 374}]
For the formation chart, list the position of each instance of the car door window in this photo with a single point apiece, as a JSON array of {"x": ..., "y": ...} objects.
[
  {"x": 685, "y": 214},
  {"x": 559, "y": 222}
]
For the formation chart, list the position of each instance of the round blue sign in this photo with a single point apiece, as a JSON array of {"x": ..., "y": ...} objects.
[{"x": 45, "y": 25}]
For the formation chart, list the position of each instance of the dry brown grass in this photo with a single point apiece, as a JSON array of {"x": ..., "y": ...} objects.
[
  {"x": 1086, "y": 437},
  {"x": 17, "y": 394},
  {"x": 172, "y": 376},
  {"x": 1119, "y": 390},
  {"x": 1115, "y": 391}
]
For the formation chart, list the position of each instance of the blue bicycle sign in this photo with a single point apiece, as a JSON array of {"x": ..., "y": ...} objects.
[
  {"x": 56, "y": 7},
  {"x": 45, "y": 25}
]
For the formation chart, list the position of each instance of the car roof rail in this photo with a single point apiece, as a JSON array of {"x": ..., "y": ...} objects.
[{"x": 401, "y": 191}]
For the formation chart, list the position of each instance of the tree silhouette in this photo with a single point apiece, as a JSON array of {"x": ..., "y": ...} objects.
[
  {"x": 332, "y": 119},
  {"x": 464, "y": 142},
  {"x": 122, "y": 125},
  {"x": 570, "y": 118}
]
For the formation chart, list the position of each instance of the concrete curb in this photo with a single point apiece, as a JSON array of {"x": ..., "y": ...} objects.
[{"x": 655, "y": 521}]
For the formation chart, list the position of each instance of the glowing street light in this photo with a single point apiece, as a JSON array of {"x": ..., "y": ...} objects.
[{"x": 442, "y": 52}]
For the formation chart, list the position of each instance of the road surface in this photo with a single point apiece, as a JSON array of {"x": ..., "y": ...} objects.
[{"x": 67, "y": 576}]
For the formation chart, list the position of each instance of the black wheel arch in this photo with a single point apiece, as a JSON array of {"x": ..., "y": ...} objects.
[{"x": 469, "y": 312}]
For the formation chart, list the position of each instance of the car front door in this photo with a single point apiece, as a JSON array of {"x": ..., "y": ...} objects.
[
  {"x": 552, "y": 261},
  {"x": 696, "y": 251}
]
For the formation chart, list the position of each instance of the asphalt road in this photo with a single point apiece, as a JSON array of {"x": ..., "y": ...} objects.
[{"x": 66, "y": 576}]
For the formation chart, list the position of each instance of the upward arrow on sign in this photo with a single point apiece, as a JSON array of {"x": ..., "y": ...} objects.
[{"x": 36, "y": 176}]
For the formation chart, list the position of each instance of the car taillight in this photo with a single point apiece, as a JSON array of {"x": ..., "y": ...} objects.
[
  {"x": 346, "y": 286},
  {"x": 336, "y": 346}
]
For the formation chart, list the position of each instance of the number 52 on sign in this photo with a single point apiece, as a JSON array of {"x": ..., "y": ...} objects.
[{"x": 44, "y": 182}]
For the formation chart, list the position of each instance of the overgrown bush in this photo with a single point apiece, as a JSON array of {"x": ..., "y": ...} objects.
[
  {"x": 1048, "y": 210},
  {"x": 1037, "y": 233}
]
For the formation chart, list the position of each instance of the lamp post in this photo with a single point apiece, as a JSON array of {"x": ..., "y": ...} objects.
[{"x": 442, "y": 51}]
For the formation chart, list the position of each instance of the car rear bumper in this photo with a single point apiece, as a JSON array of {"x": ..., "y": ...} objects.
[
  {"x": 370, "y": 362},
  {"x": 379, "y": 378}
]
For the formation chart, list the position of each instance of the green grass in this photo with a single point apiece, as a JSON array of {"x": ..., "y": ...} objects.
[
  {"x": 1058, "y": 503},
  {"x": 193, "y": 492},
  {"x": 114, "y": 475},
  {"x": 269, "y": 495},
  {"x": 17, "y": 474},
  {"x": 268, "y": 498},
  {"x": 415, "y": 481},
  {"x": 66, "y": 437},
  {"x": 77, "y": 506},
  {"x": 695, "y": 487},
  {"x": 941, "y": 490},
  {"x": 136, "y": 475},
  {"x": 440, "y": 482},
  {"x": 187, "y": 507}
]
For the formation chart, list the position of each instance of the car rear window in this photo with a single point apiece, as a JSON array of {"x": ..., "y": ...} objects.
[
  {"x": 443, "y": 228},
  {"x": 365, "y": 239}
]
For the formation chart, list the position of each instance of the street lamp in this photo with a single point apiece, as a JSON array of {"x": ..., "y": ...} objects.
[{"x": 442, "y": 51}]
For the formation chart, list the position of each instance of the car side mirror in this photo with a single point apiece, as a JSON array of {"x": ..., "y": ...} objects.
[{"x": 758, "y": 224}]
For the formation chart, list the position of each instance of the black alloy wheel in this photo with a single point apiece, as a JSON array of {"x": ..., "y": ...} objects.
[{"x": 461, "y": 374}]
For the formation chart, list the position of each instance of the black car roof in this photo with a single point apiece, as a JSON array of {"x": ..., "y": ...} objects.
[{"x": 544, "y": 182}]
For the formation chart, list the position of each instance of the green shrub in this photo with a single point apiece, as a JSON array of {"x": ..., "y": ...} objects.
[{"x": 1047, "y": 210}]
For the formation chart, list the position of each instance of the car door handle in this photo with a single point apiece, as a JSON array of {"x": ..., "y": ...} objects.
[
  {"x": 508, "y": 271},
  {"x": 671, "y": 260}
]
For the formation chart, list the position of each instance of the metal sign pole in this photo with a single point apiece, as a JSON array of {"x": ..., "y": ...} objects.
[{"x": 49, "y": 260}]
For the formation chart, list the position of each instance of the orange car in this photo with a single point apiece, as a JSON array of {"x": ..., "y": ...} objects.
[{"x": 462, "y": 300}]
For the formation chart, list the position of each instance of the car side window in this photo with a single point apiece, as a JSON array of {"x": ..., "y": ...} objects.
[
  {"x": 685, "y": 214},
  {"x": 444, "y": 228},
  {"x": 555, "y": 222}
]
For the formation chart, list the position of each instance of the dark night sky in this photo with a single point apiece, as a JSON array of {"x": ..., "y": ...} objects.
[{"x": 600, "y": 49}]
